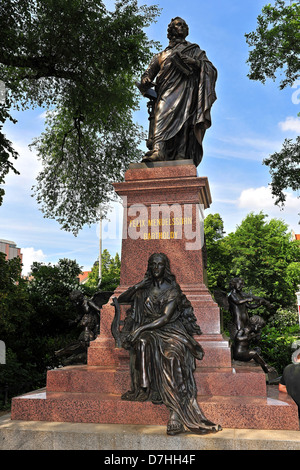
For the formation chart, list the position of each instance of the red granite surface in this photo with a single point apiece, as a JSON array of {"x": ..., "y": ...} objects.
[
  {"x": 143, "y": 199},
  {"x": 160, "y": 172},
  {"x": 216, "y": 348},
  {"x": 241, "y": 381},
  {"x": 230, "y": 412}
]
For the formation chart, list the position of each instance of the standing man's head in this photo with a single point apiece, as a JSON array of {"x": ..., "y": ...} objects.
[{"x": 177, "y": 29}]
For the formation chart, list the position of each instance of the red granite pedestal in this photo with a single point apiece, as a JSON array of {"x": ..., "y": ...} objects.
[{"x": 162, "y": 213}]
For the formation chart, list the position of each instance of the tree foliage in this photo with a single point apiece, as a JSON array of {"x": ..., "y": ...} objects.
[
  {"x": 260, "y": 251},
  {"x": 277, "y": 343},
  {"x": 15, "y": 328},
  {"x": 276, "y": 44},
  {"x": 110, "y": 273},
  {"x": 49, "y": 292},
  {"x": 217, "y": 251},
  {"x": 80, "y": 61},
  {"x": 263, "y": 253},
  {"x": 14, "y": 301},
  {"x": 35, "y": 320},
  {"x": 284, "y": 167},
  {"x": 7, "y": 152}
]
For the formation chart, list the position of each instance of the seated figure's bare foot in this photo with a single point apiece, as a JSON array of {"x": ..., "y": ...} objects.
[
  {"x": 174, "y": 425},
  {"x": 129, "y": 395},
  {"x": 142, "y": 395},
  {"x": 156, "y": 398},
  {"x": 136, "y": 395}
]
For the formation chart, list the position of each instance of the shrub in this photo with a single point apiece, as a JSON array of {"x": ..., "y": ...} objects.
[{"x": 276, "y": 345}]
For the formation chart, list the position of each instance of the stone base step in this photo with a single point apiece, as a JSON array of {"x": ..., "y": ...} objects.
[
  {"x": 272, "y": 412},
  {"x": 247, "y": 380}
]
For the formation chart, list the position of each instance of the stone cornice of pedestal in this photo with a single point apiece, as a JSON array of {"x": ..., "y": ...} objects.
[{"x": 165, "y": 185}]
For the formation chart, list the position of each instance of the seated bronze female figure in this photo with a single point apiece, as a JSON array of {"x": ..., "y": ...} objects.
[{"x": 158, "y": 330}]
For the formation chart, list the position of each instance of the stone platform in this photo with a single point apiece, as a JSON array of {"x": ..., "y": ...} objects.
[
  {"x": 246, "y": 380},
  {"x": 72, "y": 396}
]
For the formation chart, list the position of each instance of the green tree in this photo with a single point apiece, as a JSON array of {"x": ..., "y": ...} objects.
[
  {"x": 217, "y": 252},
  {"x": 15, "y": 308},
  {"x": 49, "y": 292},
  {"x": 260, "y": 251},
  {"x": 19, "y": 372},
  {"x": 276, "y": 43},
  {"x": 284, "y": 169},
  {"x": 110, "y": 273},
  {"x": 7, "y": 152},
  {"x": 263, "y": 253},
  {"x": 35, "y": 319},
  {"x": 48, "y": 325},
  {"x": 80, "y": 61}
]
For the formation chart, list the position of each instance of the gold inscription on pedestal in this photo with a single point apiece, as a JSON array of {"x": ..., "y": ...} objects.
[
  {"x": 160, "y": 236},
  {"x": 160, "y": 222},
  {"x": 166, "y": 223}
]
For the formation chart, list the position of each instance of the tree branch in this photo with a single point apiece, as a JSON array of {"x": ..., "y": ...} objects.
[{"x": 41, "y": 65}]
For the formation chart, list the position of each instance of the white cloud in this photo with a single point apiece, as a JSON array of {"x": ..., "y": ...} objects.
[
  {"x": 290, "y": 124},
  {"x": 29, "y": 256},
  {"x": 256, "y": 198},
  {"x": 261, "y": 199},
  {"x": 27, "y": 164}
]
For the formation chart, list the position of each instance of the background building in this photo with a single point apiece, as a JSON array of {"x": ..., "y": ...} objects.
[
  {"x": 10, "y": 249},
  {"x": 83, "y": 277}
]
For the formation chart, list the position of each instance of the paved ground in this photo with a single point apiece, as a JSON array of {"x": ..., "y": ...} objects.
[{"x": 35, "y": 435}]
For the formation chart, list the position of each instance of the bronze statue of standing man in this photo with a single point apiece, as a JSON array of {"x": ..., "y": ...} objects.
[{"x": 185, "y": 88}]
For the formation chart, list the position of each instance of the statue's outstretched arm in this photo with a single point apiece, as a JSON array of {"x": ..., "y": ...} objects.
[{"x": 158, "y": 323}]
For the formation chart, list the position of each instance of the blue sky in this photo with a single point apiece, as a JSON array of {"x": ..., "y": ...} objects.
[{"x": 250, "y": 122}]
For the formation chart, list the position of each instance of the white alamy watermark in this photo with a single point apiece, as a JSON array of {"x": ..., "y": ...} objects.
[
  {"x": 2, "y": 352},
  {"x": 156, "y": 222}
]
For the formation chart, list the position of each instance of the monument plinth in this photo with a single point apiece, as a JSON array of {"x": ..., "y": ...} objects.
[{"x": 162, "y": 213}]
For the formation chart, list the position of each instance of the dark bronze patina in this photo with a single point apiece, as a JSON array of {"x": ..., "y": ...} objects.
[
  {"x": 88, "y": 320},
  {"x": 158, "y": 331},
  {"x": 179, "y": 108},
  {"x": 245, "y": 329}
]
